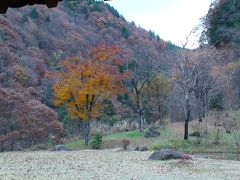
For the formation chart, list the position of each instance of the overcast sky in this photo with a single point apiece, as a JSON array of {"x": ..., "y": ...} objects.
[{"x": 171, "y": 19}]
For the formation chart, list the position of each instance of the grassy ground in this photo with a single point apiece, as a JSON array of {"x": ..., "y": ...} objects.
[
  {"x": 114, "y": 140},
  {"x": 171, "y": 137}
]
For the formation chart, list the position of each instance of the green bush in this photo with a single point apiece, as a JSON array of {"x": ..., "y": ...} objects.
[{"x": 97, "y": 141}]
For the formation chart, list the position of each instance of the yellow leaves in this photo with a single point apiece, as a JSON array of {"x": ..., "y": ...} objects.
[
  {"x": 62, "y": 93},
  {"x": 20, "y": 73},
  {"x": 83, "y": 85}
]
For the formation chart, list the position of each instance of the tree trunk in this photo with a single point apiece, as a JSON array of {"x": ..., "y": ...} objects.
[
  {"x": 160, "y": 114},
  {"x": 186, "y": 131},
  {"x": 200, "y": 108},
  {"x": 140, "y": 113},
  {"x": 142, "y": 129},
  {"x": 205, "y": 104},
  {"x": 187, "y": 118},
  {"x": 199, "y": 98},
  {"x": 79, "y": 127},
  {"x": 141, "y": 123},
  {"x": 87, "y": 132}
]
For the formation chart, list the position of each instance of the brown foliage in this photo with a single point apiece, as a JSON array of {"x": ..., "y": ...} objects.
[{"x": 25, "y": 122}]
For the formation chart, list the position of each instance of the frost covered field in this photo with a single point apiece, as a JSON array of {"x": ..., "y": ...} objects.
[{"x": 110, "y": 164}]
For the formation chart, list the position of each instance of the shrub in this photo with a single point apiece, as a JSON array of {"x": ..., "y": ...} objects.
[
  {"x": 97, "y": 141},
  {"x": 125, "y": 143}
]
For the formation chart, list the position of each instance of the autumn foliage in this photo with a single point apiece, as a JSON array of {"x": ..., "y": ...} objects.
[
  {"x": 84, "y": 83},
  {"x": 25, "y": 122}
]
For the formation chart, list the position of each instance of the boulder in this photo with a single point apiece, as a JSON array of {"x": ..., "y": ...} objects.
[
  {"x": 141, "y": 149},
  {"x": 166, "y": 154},
  {"x": 152, "y": 132},
  {"x": 61, "y": 147}
]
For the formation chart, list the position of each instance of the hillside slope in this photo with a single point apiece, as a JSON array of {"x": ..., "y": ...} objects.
[{"x": 35, "y": 39}]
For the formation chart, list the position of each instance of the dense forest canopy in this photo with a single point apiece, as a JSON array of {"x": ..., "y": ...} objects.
[{"x": 222, "y": 23}]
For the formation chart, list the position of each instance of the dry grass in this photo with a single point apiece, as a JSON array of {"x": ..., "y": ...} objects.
[{"x": 109, "y": 164}]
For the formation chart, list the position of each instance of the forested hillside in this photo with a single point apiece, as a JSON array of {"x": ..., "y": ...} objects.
[
  {"x": 34, "y": 40},
  {"x": 82, "y": 68}
]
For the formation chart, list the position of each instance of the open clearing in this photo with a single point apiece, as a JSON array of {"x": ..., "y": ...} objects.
[{"x": 110, "y": 164}]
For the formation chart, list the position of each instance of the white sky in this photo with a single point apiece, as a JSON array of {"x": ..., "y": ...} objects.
[{"x": 171, "y": 19}]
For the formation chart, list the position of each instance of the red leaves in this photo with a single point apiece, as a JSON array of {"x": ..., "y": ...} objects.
[{"x": 25, "y": 121}]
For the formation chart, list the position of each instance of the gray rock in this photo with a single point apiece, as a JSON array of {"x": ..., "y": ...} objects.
[
  {"x": 61, "y": 147},
  {"x": 141, "y": 149},
  {"x": 152, "y": 132},
  {"x": 166, "y": 154}
]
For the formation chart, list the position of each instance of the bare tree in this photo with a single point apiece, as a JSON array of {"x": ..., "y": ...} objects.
[
  {"x": 143, "y": 71},
  {"x": 207, "y": 74},
  {"x": 185, "y": 77}
]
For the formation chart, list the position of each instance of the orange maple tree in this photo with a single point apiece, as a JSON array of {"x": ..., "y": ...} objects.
[{"x": 84, "y": 84}]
